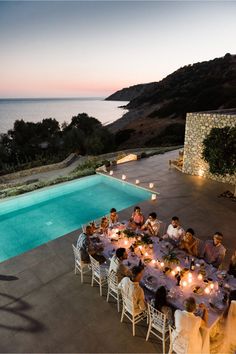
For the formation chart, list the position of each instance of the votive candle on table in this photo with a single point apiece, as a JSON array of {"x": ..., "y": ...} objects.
[
  {"x": 146, "y": 254},
  {"x": 162, "y": 264},
  {"x": 200, "y": 277},
  {"x": 137, "y": 181},
  {"x": 123, "y": 177},
  {"x": 184, "y": 283},
  {"x": 126, "y": 242},
  {"x": 151, "y": 185},
  {"x": 211, "y": 286},
  {"x": 178, "y": 269},
  {"x": 153, "y": 261},
  {"x": 173, "y": 272},
  {"x": 207, "y": 291},
  {"x": 111, "y": 173},
  {"x": 154, "y": 197}
]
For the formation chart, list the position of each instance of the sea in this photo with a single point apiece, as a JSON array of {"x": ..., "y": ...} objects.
[{"x": 62, "y": 109}]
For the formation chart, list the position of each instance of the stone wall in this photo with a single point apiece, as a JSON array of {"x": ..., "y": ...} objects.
[
  {"x": 198, "y": 126},
  {"x": 45, "y": 168}
]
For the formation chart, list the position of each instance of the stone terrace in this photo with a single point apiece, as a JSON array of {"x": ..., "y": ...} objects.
[{"x": 46, "y": 309}]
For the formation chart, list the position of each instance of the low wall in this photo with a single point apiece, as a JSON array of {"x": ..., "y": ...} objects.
[{"x": 29, "y": 172}]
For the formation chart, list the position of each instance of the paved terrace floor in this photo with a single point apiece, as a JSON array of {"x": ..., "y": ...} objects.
[{"x": 46, "y": 309}]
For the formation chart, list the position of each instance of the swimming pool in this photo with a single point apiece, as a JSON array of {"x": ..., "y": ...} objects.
[{"x": 37, "y": 217}]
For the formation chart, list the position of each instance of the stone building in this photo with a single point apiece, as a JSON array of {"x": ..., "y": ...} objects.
[{"x": 198, "y": 126}]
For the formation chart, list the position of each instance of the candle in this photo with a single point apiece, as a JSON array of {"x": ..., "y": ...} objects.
[
  {"x": 173, "y": 272},
  {"x": 153, "y": 261},
  {"x": 154, "y": 197},
  {"x": 145, "y": 254},
  {"x": 207, "y": 291},
  {"x": 200, "y": 277},
  {"x": 212, "y": 286},
  {"x": 126, "y": 242},
  {"x": 184, "y": 283},
  {"x": 151, "y": 185},
  {"x": 190, "y": 276},
  {"x": 140, "y": 247},
  {"x": 162, "y": 264},
  {"x": 123, "y": 177},
  {"x": 111, "y": 173},
  {"x": 137, "y": 181},
  {"x": 190, "y": 280},
  {"x": 178, "y": 269}
]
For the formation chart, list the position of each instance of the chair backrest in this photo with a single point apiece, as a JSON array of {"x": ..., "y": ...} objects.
[
  {"x": 181, "y": 347},
  {"x": 77, "y": 255},
  {"x": 95, "y": 266},
  {"x": 128, "y": 302},
  {"x": 158, "y": 318},
  {"x": 163, "y": 228},
  {"x": 112, "y": 280}
]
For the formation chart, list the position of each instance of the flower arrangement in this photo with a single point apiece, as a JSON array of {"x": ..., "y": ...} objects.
[
  {"x": 127, "y": 233},
  {"x": 171, "y": 258}
]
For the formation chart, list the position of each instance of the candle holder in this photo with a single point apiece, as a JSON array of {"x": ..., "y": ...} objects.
[{"x": 151, "y": 185}]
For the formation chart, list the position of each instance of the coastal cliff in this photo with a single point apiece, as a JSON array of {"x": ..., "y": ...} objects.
[{"x": 157, "y": 110}]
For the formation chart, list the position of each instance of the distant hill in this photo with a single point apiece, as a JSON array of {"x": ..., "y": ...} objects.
[
  {"x": 157, "y": 110},
  {"x": 130, "y": 93}
]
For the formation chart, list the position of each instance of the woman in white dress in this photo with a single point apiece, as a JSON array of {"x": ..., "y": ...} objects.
[{"x": 187, "y": 338}]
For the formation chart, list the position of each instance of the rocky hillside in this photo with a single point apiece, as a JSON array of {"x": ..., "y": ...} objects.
[
  {"x": 132, "y": 92},
  {"x": 157, "y": 110}
]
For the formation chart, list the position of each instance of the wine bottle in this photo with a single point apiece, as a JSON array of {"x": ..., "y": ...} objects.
[{"x": 192, "y": 264}]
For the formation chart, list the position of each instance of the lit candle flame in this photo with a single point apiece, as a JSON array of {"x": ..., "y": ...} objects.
[{"x": 200, "y": 277}]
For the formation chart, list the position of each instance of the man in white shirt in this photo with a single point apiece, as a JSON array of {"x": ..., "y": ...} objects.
[
  {"x": 152, "y": 225},
  {"x": 175, "y": 232},
  {"x": 117, "y": 265},
  {"x": 132, "y": 289}
]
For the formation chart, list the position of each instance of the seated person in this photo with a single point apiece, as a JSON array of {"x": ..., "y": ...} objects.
[
  {"x": 137, "y": 218},
  {"x": 175, "y": 232},
  {"x": 85, "y": 246},
  {"x": 152, "y": 225},
  {"x": 187, "y": 333},
  {"x": 104, "y": 225},
  {"x": 160, "y": 303},
  {"x": 189, "y": 243},
  {"x": 93, "y": 225},
  {"x": 232, "y": 265},
  {"x": 117, "y": 265},
  {"x": 131, "y": 287},
  {"x": 223, "y": 339},
  {"x": 213, "y": 251},
  {"x": 113, "y": 217}
]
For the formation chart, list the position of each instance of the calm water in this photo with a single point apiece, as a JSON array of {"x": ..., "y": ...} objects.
[
  {"x": 35, "y": 218},
  {"x": 34, "y": 110}
]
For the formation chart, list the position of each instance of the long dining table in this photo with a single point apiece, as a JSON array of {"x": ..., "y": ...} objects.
[{"x": 205, "y": 283}]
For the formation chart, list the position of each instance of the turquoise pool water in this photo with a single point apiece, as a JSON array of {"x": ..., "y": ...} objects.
[{"x": 35, "y": 218}]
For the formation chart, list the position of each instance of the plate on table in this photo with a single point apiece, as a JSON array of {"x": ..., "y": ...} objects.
[
  {"x": 198, "y": 290},
  {"x": 150, "y": 282}
]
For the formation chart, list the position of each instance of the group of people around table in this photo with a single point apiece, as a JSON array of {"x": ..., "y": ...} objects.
[{"x": 187, "y": 323}]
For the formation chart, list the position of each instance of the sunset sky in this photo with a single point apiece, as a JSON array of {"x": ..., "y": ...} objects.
[{"x": 93, "y": 48}]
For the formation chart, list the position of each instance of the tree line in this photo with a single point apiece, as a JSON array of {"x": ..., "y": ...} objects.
[{"x": 31, "y": 144}]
